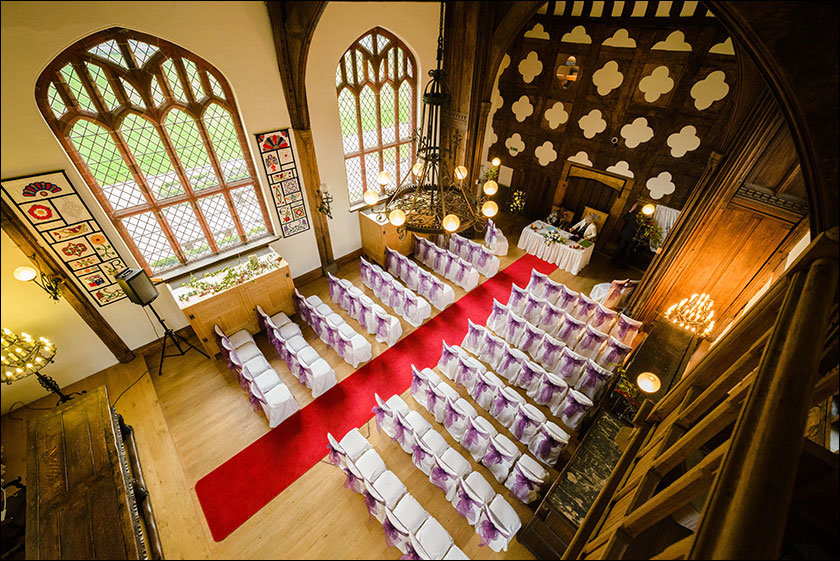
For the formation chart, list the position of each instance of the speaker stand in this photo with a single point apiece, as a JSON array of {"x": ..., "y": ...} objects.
[{"x": 176, "y": 340}]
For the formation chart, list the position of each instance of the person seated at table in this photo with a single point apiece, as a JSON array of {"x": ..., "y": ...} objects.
[
  {"x": 585, "y": 229},
  {"x": 557, "y": 217}
]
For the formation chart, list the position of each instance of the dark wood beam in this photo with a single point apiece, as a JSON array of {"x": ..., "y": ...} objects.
[
  {"x": 293, "y": 24},
  {"x": 46, "y": 262}
]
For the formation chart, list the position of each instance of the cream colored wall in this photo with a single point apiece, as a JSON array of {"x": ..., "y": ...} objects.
[
  {"x": 234, "y": 36},
  {"x": 416, "y": 24}
]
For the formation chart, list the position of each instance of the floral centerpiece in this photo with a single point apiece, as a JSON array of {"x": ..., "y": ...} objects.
[
  {"x": 227, "y": 277},
  {"x": 647, "y": 231},
  {"x": 517, "y": 201},
  {"x": 553, "y": 236}
]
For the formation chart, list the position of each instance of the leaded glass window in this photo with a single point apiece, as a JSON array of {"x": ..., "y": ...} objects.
[
  {"x": 150, "y": 129},
  {"x": 377, "y": 96}
]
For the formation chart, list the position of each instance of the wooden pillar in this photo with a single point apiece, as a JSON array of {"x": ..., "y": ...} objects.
[
  {"x": 292, "y": 24},
  {"x": 46, "y": 262},
  {"x": 749, "y": 502}
]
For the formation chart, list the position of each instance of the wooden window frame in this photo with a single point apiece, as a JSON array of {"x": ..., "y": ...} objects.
[
  {"x": 140, "y": 79},
  {"x": 355, "y": 87}
]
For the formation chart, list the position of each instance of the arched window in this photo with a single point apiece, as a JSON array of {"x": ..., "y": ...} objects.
[
  {"x": 154, "y": 131},
  {"x": 376, "y": 82}
]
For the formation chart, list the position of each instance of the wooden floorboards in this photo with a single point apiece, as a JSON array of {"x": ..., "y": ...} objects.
[{"x": 196, "y": 416}]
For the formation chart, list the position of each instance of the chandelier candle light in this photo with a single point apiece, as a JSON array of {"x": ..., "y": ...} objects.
[
  {"x": 693, "y": 314},
  {"x": 23, "y": 355}
]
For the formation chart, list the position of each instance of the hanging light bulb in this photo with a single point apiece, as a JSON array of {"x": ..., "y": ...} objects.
[
  {"x": 648, "y": 382},
  {"x": 384, "y": 178},
  {"x": 417, "y": 168},
  {"x": 490, "y": 187},
  {"x": 397, "y": 217},
  {"x": 648, "y": 209},
  {"x": 451, "y": 222},
  {"x": 489, "y": 209},
  {"x": 461, "y": 173},
  {"x": 496, "y": 162},
  {"x": 25, "y": 273},
  {"x": 371, "y": 197}
]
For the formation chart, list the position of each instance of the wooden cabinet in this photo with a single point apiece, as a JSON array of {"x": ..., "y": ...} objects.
[
  {"x": 379, "y": 234},
  {"x": 86, "y": 498},
  {"x": 236, "y": 308}
]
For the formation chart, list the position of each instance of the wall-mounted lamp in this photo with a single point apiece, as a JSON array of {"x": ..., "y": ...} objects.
[
  {"x": 51, "y": 284},
  {"x": 648, "y": 209},
  {"x": 648, "y": 382}
]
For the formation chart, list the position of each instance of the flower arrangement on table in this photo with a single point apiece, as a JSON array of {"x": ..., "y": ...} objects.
[
  {"x": 227, "y": 277},
  {"x": 517, "y": 201},
  {"x": 647, "y": 231},
  {"x": 553, "y": 236}
]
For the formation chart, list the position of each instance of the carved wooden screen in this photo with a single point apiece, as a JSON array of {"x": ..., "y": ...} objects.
[
  {"x": 376, "y": 82},
  {"x": 154, "y": 131}
]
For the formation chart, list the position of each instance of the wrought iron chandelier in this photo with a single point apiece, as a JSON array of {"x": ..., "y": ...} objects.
[{"x": 431, "y": 199}]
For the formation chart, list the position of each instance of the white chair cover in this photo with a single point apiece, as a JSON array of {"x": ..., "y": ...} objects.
[
  {"x": 455, "y": 554},
  {"x": 523, "y": 484},
  {"x": 320, "y": 377},
  {"x": 467, "y": 371},
  {"x": 485, "y": 389},
  {"x": 530, "y": 377},
  {"x": 497, "y": 524},
  {"x": 603, "y": 318},
  {"x": 404, "y": 520},
  {"x": 474, "y": 339},
  {"x": 477, "y": 435},
  {"x": 570, "y": 330},
  {"x": 505, "y": 404},
  {"x": 549, "y": 352},
  {"x": 573, "y": 409},
  {"x": 449, "y": 468},
  {"x": 278, "y": 403},
  {"x": 431, "y": 541},
  {"x": 552, "y": 291},
  {"x": 437, "y": 400},
  {"x": 510, "y": 363},
  {"x": 590, "y": 342},
  {"x": 613, "y": 354},
  {"x": 495, "y": 239},
  {"x": 388, "y": 328},
  {"x": 566, "y": 300},
  {"x": 472, "y": 494},
  {"x": 448, "y": 362},
  {"x": 526, "y": 422},
  {"x": 551, "y": 319},
  {"x": 625, "y": 329},
  {"x": 593, "y": 380},
  {"x": 549, "y": 443},
  {"x": 382, "y": 494},
  {"x": 551, "y": 390},
  {"x": 532, "y": 339},
  {"x": 500, "y": 455},
  {"x": 537, "y": 283},
  {"x": 421, "y": 385},
  {"x": 492, "y": 349},
  {"x": 516, "y": 302},
  {"x": 384, "y": 412},
  {"x": 570, "y": 366},
  {"x": 456, "y": 415},
  {"x": 534, "y": 307},
  {"x": 487, "y": 264},
  {"x": 584, "y": 308},
  {"x": 426, "y": 447},
  {"x": 498, "y": 317}
]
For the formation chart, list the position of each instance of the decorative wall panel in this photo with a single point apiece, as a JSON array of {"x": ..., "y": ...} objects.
[{"x": 283, "y": 179}]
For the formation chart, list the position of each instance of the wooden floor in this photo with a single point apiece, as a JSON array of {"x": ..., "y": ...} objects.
[{"x": 196, "y": 416}]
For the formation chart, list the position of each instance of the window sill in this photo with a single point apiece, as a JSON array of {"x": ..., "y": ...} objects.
[{"x": 218, "y": 261}]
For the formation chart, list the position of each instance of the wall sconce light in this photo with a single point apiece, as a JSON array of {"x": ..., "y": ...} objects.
[
  {"x": 325, "y": 201},
  {"x": 51, "y": 284},
  {"x": 648, "y": 209},
  {"x": 648, "y": 382}
]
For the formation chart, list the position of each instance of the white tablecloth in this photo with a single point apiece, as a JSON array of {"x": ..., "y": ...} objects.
[{"x": 565, "y": 257}]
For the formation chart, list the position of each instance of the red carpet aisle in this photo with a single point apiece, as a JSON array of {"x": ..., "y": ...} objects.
[{"x": 237, "y": 489}]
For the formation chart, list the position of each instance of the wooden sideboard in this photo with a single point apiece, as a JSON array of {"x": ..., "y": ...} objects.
[
  {"x": 377, "y": 235},
  {"x": 86, "y": 497},
  {"x": 236, "y": 307}
]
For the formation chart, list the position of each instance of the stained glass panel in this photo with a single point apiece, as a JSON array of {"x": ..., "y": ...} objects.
[
  {"x": 145, "y": 144},
  {"x": 153, "y": 245},
  {"x": 100, "y": 154},
  {"x": 347, "y": 116},
  {"x": 142, "y": 51},
  {"x": 174, "y": 82},
  {"x": 367, "y": 104},
  {"x": 78, "y": 90},
  {"x": 186, "y": 139},
  {"x": 386, "y": 110},
  {"x": 225, "y": 142},
  {"x": 56, "y": 103},
  {"x": 109, "y": 50},
  {"x": 248, "y": 209},
  {"x": 218, "y": 217},
  {"x": 354, "y": 179},
  {"x": 187, "y": 230},
  {"x": 194, "y": 78},
  {"x": 97, "y": 74}
]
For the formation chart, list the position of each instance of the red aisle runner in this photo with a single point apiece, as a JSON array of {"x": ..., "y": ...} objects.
[{"x": 237, "y": 489}]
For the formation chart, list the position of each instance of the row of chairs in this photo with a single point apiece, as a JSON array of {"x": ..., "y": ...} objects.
[
  {"x": 331, "y": 328},
  {"x": 301, "y": 358},
  {"x": 407, "y": 525},
  {"x": 495, "y": 239},
  {"x": 264, "y": 386},
  {"x": 370, "y": 315},
  {"x": 479, "y": 256},
  {"x": 444, "y": 262},
  {"x": 415, "y": 309},
  {"x": 572, "y": 334},
  {"x": 471, "y": 495},
  {"x": 613, "y": 294},
  {"x": 416, "y": 278}
]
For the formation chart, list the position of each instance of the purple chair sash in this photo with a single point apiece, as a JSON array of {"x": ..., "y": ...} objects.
[
  {"x": 465, "y": 373},
  {"x": 522, "y": 486},
  {"x": 590, "y": 339},
  {"x": 488, "y": 531},
  {"x": 537, "y": 280},
  {"x": 447, "y": 355},
  {"x": 473, "y": 333},
  {"x": 464, "y": 504},
  {"x": 550, "y": 349},
  {"x": 255, "y": 402},
  {"x": 508, "y": 358},
  {"x": 531, "y": 303},
  {"x": 548, "y": 390},
  {"x": 432, "y": 399},
  {"x": 439, "y": 477},
  {"x": 472, "y": 248},
  {"x": 586, "y": 307},
  {"x": 410, "y": 554},
  {"x": 472, "y": 434},
  {"x": 522, "y": 423},
  {"x": 491, "y": 345},
  {"x": 517, "y": 295},
  {"x": 546, "y": 445},
  {"x": 333, "y": 455},
  {"x": 382, "y": 325},
  {"x": 352, "y": 482},
  {"x": 570, "y": 325},
  {"x": 615, "y": 354},
  {"x": 551, "y": 290},
  {"x": 568, "y": 364},
  {"x": 463, "y": 269},
  {"x": 498, "y": 310},
  {"x": 513, "y": 324},
  {"x": 526, "y": 375},
  {"x": 484, "y": 256},
  {"x": 572, "y": 407},
  {"x": 602, "y": 315},
  {"x": 451, "y": 416},
  {"x": 418, "y": 455},
  {"x": 392, "y": 535},
  {"x": 480, "y": 387},
  {"x": 437, "y": 287},
  {"x": 399, "y": 430},
  {"x": 531, "y": 335},
  {"x": 371, "y": 503},
  {"x": 417, "y": 383},
  {"x": 380, "y": 415},
  {"x": 565, "y": 298},
  {"x": 551, "y": 315},
  {"x": 494, "y": 455}
]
